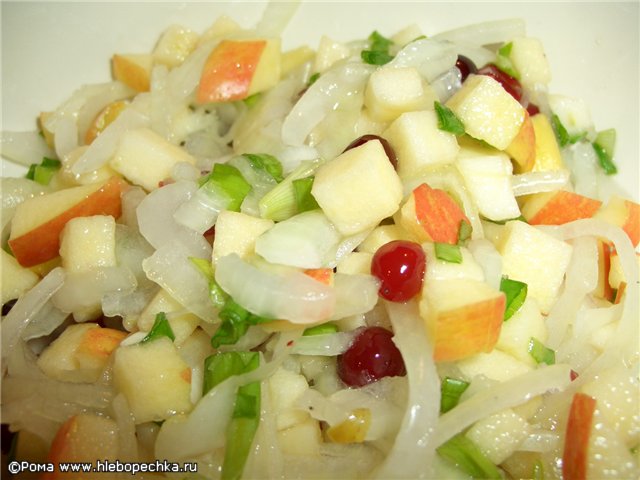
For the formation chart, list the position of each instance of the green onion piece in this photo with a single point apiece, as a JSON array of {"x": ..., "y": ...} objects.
[
  {"x": 217, "y": 295},
  {"x": 502, "y": 222},
  {"x": 251, "y": 100},
  {"x": 538, "y": 471},
  {"x": 504, "y": 63},
  {"x": 516, "y": 293},
  {"x": 378, "y": 52},
  {"x": 322, "y": 329},
  {"x": 541, "y": 353},
  {"x": 50, "y": 162},
  {"x": 604, "y": 146},
  {"x": 562, "y": 135},
  {"x": 447, "y": 252},
  {"x": 451, "y": 390},
  {"x": 227, "y": 179},
  {"x": 266, "y": 162},
  {"x": 220, "y": 366},
  {"x": 313, "y": 78},
  {"x": 464, "y": 232},
  {"x": 465, "y": 455},
  {"x": 43, "y": 172},
  {"x": 302, "y": 191},
  {"x": 235, "y": 321},
  {"x": 447, "y": 120},
  {"x": 161, "y": 328}
]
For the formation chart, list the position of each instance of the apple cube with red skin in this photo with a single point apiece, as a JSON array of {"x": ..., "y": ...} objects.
[
  {"x": 559, "y": 207},
  {"x": 38, "y": 222},
  {"x": 462, "y": 317},
  {"x": 134, "y": 70},
  {"x": 236, "y": 69},
  {"x": 624, "y": 214},
  {"x": 576, "y": 443},
  {"x": 431, "y": 214},
  {"x": 83, "y": 438}
]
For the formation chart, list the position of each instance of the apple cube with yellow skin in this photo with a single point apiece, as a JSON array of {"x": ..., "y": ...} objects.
[
  {"x": 237, "y": 69},
  {"x": 516, "y": 332},
  {"x": 487, "y": 111},
  {"x": 522, "y": 148},
  {"x": 80, "y": 353},
  {"x": 88, "y": 242},
  {"x": 499, "y": 435},
  {"x": 104, "y": 119},
  {"x": 38, "y": 221},
  {"x": 536, "y": 258},
  {"x": 145, "y": 158},
  {"x": 548, "y": 156},
  {"x": 154, "y": 379},
  {"x": 83, "y": 438},
  {"x": 419, "y": 143},
  {"x": 529, "y": 59},
  {"x": 463, "y": 317},
  {"x": 133, "y": 69},
  {"x": 558, "y": 207},
  {"x": 15, "y": 280},
  {"x": 358, "y": 189},
  {"x": 391, "y": 91},
  {"x": 174, "y": 46},
  {"x": 495, "y": 365},
  {"x": 182, "y": 322},
  {"x": 623, "y": 213},
  {"x": 237, "y": 233},
  {"x": 487, "y": 176},
  {"x": 430, "y": 214}
]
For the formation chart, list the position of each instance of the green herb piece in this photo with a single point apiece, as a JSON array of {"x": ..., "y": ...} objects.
[
  {"x": 161, "y": 328},
  {"x": 504, "y": 63},
  {"x": 541, "y": 353},
  {"x": 447, "y": 252},
  {"x": 251, "y": 100},
  {"x": 313, "y": 78},
  {"x": 562, "y": 135},
  {"x": 220, "y": 366},
  {"x": 451, "y": 390},
  {"x": 604, "y": 146},
  {"x": 464, "y": 232},
  {"x": 538, "y": 471},
  {"x": 516, "y": 293},
  {"x": 378, "y": 52},
  {"x": 302, "y": 192},
  {"x": 235, "y": 321},
  {"x": 43, "y": 172},
  {"x": 502, "y": 222},
  {"x": 322, "y": 329},
  {"x": 447, "y": 120},
  {"x": 266, "y": 162},
  {"x": 217, "y": 295},
  {"x": 227, "y": 180},
  {"x": 465, "y": 455}
]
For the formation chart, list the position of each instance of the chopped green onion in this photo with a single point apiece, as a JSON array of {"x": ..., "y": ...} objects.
[
  {"x": 43, "y": 172},
  {"x": 220, "y": 366},
  {"x": 217, "y": 295},
  {"x": 504, "y": 63},
  {"x": 251, "y": 100},
  {"x": 516, "y": 293},
  {"x": 464, "y": 232},
  {"x": 541, "y": 353},
  {"x": 322, "y": 329},
  {"x": 236, "y": 320},
  {"x": 604, "y": 146},
  {"x": 313, "y": 78},
  {"x": 502, "y": 222},
  {"x": 266, "y": 162},
  {"x": 465, "y": 455},
  {"x": 451, "y": 390},
  {"x": 538, "y": 471},
  {"x": 378, "y": 52},
  {"x": 447, "y": 252},
  {"x": 562, "y": 134},
  {"x": 302, "y": 191},
  {"x": 161, "y": 328},
  {"x": 447, "y": 120},
  {"x": 228, "y": 180}
]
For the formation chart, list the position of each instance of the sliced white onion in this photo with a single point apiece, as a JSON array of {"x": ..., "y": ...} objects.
[
  {"x": 447, "y": 84},
  {"x": 295, "y": 296},
  {"x": 200, "y": 212},
  {"x": 130, "y": 201},
  {"x": 275, "y": 18},
  {"x": 65, "y": 136},
  {"x": 127, "y": 442},
  {"x": 480, "y": 56},
  {"x": 582, "y": 160},
  {"x": 355, "y": 294},
  {"x": 431, "y": 57},
  {"x": 260, "y": 180},
  {"x": 44, "y": 322},
  {"x": 328, "y": 345},
  {"x": 413, "y": 452},
  {"x": 484, "y": 252},
  {"x": 536, "y": 182},
  {"x": 24, "y": 148},
  {"x": 485, "y": 33}
]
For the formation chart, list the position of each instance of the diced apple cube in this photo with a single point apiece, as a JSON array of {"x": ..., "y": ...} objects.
[
  {"x": 557, "y": 208},
  {"x": 381, "y": 235},
  {"x": 391, "y": 91},
  {"x": 516, "y": 332},
  {"x": 15, "y": 280},
  {"x": 487, "y": 175},
  {"x": 548, "y": 156},
  {"x": 237, "y": 233},
  {"x": 223, "y": 26},
  {"x": 174, "y": 46},
  {"x": 522, "y": 148},
  {"x": 88, "y": 242},
  {"x": 462, "y": 317},
  {"x": 134, "y": 70},
  {"x": 292, "y": 59},
  {"x": 358, "y": 189},
  {"x": 442, "y": 270},
  {"x": 495, "y": 365},
  {"x": 616, "y": 275},
  {"x": 154, "y": 379},
  {"x": 80, "y": 353},
  {"x": 419, "y": 143},
  {"x": 623, "y": 213},
  {"x": 182, "y": 322},
  {"x": 329, "y": 52},
  {"x": 499, "y": 435},
  {"x": 407, "y": 35},
  {"x": 301, "y": 439},
  {"x": 285, "y": 387},
  {"x": 573, "y": 113},
  {"x": 355, "y": 263},
  {"x": 145, "y": 158},
  {"x": 535, "y": 258},
  {"x": 527, "y": 55},
  {"x": 487, "y": 111}
]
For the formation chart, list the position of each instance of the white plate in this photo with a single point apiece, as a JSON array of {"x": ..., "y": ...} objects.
[{"x": 49, "y": 49}]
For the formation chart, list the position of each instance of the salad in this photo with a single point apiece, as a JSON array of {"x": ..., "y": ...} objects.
[{"x": 382, "y": 258}]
